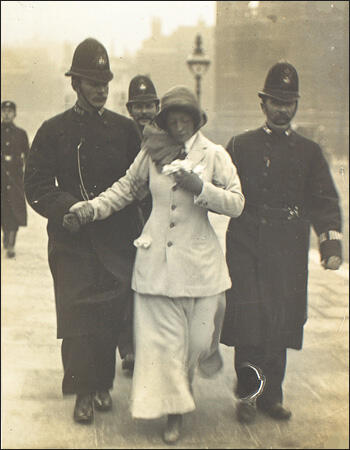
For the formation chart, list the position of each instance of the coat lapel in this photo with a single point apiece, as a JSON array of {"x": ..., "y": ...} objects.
[{"x": 197, "y": 152}]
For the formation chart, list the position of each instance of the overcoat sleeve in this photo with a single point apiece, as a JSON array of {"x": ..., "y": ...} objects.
[
  {"x": 41, "y": 189},
  {"x": 133, "y": 185},
  {"x": 223, "y": 194},
  {"x": 323, "y": 205}
]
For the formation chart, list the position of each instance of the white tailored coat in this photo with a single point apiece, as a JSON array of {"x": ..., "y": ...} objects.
[{"x": 178, "y": 254}]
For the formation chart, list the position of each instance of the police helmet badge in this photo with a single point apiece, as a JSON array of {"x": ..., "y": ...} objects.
[
  {"x": 286, "y": 75},
  {"x": 101, "y": 62},
  {"x": 142, "y": 86}
]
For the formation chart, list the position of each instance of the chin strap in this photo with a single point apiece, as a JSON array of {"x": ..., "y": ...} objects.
[{"x": 81, "y": 93}]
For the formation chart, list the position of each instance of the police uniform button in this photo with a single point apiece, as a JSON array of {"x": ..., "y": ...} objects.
[
  {"x": 173, "y": 207},
  {"x": 172, "y": 225},
  {"x": 91, "y": 195},
  {"x": 263, "y": 221},
  {"x": 169, "y": 244},
  {"x": 8, "y": 187},
  {"x": 7, "y": 143},
  {"x": 7, "y": 172}
]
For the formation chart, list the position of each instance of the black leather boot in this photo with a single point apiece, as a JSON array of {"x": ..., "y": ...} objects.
[{"x": 83, "y": 409}]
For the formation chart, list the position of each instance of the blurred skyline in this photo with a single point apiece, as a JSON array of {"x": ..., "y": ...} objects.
[{"x": 120, "y": 25}]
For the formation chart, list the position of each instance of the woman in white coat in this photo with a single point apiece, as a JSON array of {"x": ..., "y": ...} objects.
[{"x": 180, "y": 274}]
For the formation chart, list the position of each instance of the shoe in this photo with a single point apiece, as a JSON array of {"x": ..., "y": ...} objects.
[
  {"x": 246, "y": 412},
  {"x": 10, "y": 252},
  {"x": 103, "y": 401},
  {"x": 83, "y": 410},
  {"x": 276, "y": 411},
  {"x": 128, "y": 363},
  {"x": 172, "y": 430}
]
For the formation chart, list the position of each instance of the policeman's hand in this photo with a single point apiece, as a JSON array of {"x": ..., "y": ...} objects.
[
  {"x": 189, "y": 181},
  {"x": 84, "y": 211},
  {"x": 332, "y": 263}
]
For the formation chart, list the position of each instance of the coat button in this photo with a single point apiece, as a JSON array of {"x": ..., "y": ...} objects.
[
  {"x": 8, "y": 187},
  {"x": 172, "y": 225},
  {"x": 7, "y": 143},
  {"x": 263, "y": 221},
  {"x": 169, "y": 244},
  {"x": 173, "y": 207}
]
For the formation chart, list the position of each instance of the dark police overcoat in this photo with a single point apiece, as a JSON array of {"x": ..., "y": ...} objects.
[
  {"x": 72, "y": 155},
  {"x": 14, "y": 149},
  {"x": 288, "y": 187}
]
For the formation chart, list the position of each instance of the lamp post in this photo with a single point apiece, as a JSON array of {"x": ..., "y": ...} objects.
[{"x": 198, "y": 64}]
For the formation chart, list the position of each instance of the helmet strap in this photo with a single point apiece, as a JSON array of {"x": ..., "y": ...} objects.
[{"x": 80, "y": 93}]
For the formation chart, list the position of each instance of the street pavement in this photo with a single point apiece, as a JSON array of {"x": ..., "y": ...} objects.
[{"x": 35, "y": 414}]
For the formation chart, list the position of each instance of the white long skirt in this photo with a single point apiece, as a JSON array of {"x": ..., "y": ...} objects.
[{"x": 172, "y": 338}]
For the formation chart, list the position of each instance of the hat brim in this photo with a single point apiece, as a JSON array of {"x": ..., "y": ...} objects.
[
  {"x": 280, "y": 95},
  {"x": 92, "y": 75},
  {"x": 199, "y": 116},
  {"x": 143, "y": 99}
]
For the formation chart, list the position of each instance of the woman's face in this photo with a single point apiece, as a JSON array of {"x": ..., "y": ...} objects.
[{"x": 180, "y": 125}]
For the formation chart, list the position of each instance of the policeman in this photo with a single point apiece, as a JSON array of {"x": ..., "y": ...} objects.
[
  {"x": 143, "y": 103},
  {"x": 14, "y": 149},
  {"x": 74, "y": 156},
  {"x": 143, "y": 106},
  {"x": 288, "y": 187}
]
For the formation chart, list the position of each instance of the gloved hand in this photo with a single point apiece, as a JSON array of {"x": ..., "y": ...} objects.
[
  {"x": 189, "y": 181},
  {"x": 331, "y": 254},
  {"x": 332, "y": 263},
  {"x": 84, "y": 211},
  {"x": 71, "y": 222}
]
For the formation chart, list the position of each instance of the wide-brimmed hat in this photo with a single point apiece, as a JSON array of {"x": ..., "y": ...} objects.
[
  {"x": 281, "y": 83},
  {"x": 180, "y": 98}
]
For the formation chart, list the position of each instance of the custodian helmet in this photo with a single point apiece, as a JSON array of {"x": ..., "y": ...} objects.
[
  {"x": 281, "y": 83},
  {"x": 141, "y": 89},
  {"x": 90, "y": 61},
  {"x": 8, "y": 104}
]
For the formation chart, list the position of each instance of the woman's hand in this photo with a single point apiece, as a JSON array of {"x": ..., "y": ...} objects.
[
  {"x": 189, "y": 181},
  {"x": 84, "y": 211}
]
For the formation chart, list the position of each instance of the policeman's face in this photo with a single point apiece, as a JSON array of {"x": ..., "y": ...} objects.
[
  {"x": 143, "y": 112},
  {"x": 7, "y": 115},
  {"x": 279, "y": 113},
  {"x": 95, "y": 92},
  {"x": 180, "y": 125}
]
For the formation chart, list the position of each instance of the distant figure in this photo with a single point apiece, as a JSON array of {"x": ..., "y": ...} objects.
[
  {"x": 74, "y": 156},
  {"x": 288, "y": 187},
  {"x": 143, "y": 106},
  {"x": 14, "y": 150}
]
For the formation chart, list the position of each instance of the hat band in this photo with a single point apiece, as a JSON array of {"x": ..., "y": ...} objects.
[
  {"x": 144, "y": 98},
  {"x": 280, "y": 93},
  {"x": 94, "y": 75}
]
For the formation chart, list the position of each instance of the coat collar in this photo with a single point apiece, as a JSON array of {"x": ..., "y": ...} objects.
[{"x": 270, "y": 132}]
